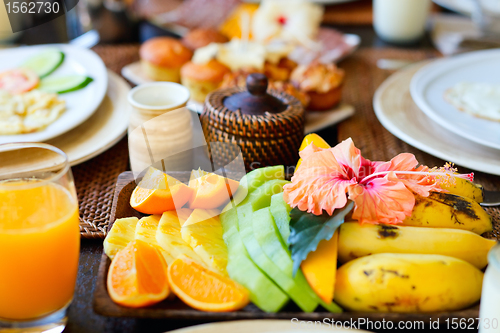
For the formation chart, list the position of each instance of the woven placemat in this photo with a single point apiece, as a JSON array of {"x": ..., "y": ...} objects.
[
  {"x": 376, "y": 143},
  {"x": 95, "y": 179}
]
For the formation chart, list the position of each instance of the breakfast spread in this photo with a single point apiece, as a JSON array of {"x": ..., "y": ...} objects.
[
  {"x": 478, "y": 99},
  {"x": 317, "y": 240}
]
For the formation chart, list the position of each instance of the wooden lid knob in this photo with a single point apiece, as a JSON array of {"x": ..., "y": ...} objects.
[
  {"x": 257, "y": 84},
  {"x": 256, "y": 100}
]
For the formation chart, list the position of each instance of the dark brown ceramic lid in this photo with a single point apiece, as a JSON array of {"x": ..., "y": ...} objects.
[{"x": 256, "y": 100}]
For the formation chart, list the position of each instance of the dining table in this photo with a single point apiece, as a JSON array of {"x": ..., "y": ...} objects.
[{"x": 96, "y": 179}]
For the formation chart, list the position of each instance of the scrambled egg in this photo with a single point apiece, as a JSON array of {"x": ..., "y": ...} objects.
[{"x": 28, "y": 112}]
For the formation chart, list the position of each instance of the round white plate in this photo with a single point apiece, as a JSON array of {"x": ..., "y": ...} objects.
[
  {"x": 264, "y": 326},
  {"x": 103, "y": 129},
  {"x": 465, "y": 7},
  {"x": 80, "y": 104},
  {"x": 398, "y": 113},
  {"x": 430, "y": 83}
]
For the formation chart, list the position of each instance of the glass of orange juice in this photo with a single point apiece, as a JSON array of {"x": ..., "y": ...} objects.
[{"x": 39, "y": 237}]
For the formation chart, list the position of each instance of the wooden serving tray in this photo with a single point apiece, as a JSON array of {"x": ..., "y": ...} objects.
[{"x": 176, "y": 309}]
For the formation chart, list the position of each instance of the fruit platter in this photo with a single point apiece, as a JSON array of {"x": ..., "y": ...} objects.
[{"x": 343, "y": 237}]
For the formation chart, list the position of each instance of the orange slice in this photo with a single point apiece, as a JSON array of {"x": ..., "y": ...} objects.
[
  {"x": 137, "y": 276},
  {"x": 204, "y": 289},
  {"x": 210, "y": 190},
  {"x": 158, "y": 192}
]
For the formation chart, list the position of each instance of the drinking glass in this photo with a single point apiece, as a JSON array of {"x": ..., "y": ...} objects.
[
  {"x": 39, "y": 237},
  {"x": 400, "y": 21}
]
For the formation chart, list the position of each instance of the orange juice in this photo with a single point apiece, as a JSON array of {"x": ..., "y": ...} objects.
[{"x": 39, "y": 248}]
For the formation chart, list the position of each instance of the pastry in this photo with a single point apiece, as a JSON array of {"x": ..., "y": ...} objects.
[
  {"x": 202, "y": 79},
  {"x": 197, "y": 38},
  {"x": 321, "y": 82},
  {"x": 163, "y": 57}
]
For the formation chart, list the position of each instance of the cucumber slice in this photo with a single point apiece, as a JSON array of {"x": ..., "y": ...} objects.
[
  {"x": 45, "y": 63},
  {"x": 64, "y": 84}
]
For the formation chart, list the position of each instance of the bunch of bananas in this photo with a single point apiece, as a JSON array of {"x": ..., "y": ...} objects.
[{"x": 431, "y": 262}]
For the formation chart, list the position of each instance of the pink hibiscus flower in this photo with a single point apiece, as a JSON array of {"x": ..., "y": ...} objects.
[{"x": 382, "y": 191}]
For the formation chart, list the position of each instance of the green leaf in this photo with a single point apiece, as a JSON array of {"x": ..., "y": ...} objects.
[{"x": 307, "y": 230}]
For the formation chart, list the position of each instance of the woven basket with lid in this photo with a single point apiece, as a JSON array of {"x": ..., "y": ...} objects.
[{"x": 269, "y": 127}]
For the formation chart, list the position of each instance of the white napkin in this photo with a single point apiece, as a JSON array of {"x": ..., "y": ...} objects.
[{"x": 449, "y": 30}]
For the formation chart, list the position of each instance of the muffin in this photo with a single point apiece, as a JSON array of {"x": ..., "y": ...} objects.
[
  {"x": 197, "y": 38},
  {"x": 163, "y": 57},
  {"x": 321, "y": 82},
  {"x": 202, "y": 79}
]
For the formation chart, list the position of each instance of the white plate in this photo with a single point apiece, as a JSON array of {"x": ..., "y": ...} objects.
[
  {"x": 398, "y": 113},
  {"x": 264, "y": 326},
  {"x": 103, "y": 129},
  {"x": 465, "y": 7},
  {"x": 80, "y": 105},
  {"x": 430, "y": 83}
]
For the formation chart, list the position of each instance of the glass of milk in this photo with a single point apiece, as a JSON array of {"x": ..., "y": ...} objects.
[
  {"x": 400, "y": 21},
  {"x": 489, "y": 310}
]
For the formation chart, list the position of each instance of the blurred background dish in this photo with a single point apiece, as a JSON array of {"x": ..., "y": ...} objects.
[
  {"x": 465, "y": 7},
  {"x": 398, "y": 113},
  {"x": 429, "y": 85},
  {"x": 80, "y": 104}
]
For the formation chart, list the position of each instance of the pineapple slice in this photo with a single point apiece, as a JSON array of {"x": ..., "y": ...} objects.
[
  {"x": 203, "y": 231},
  {"x": 146, "y": 231},
  {"x": 169, "y": 236},
  {"x": 122, "y": 232}
]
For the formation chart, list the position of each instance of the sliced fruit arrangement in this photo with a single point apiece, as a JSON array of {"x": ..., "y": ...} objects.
[
  {"x": 204, "y": 289},
  {"x": 389, "y": 282},
  {"x": 429, "y": 261},
  {"x": 158, "y": 192},
  {"x": 358, "y": 240},
  {"x": 227, "y": 243},
  {"x": 203, "y": 232},
  {"x": 138, "y": 275},
  {"x": 210, "y": 190},
  {"x": 122, "y": 233}
]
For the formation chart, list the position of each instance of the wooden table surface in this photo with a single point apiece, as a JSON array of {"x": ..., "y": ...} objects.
[{"x": 81, "y": 315}]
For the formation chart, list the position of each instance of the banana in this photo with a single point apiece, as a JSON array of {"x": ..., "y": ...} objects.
[
  {"x": 465, "y": 188},
  {"x": 356, "y": 240},
  {"x": 407, "y": 283},
  {"x": 444, "y": 210}
]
